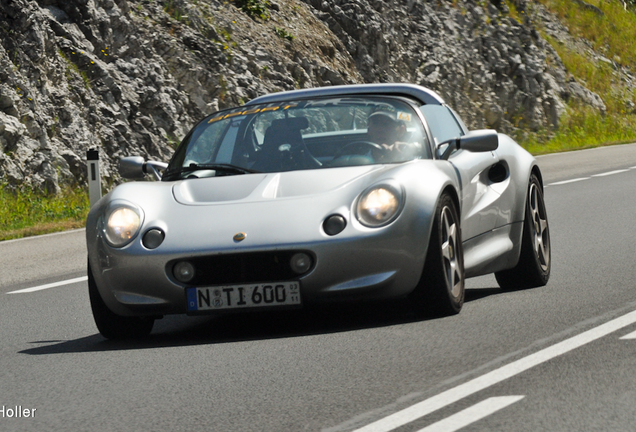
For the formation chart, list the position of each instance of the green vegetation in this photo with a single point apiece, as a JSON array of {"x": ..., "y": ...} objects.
[
  {"x": 611, "y": 30},
  {"x": 172, "y": 10},
  {"x": 173, "y": 141},
  {"x": 27, "y": 212},
  {"x": 72, "y": 68},
  {"x": 282, "y": 33},
  {"x": 581, "y": 128},
  {"x": 254, "y": 8},
  {"x": 226, "y": 33}
]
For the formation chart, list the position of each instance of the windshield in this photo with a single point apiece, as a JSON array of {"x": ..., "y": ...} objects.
[{"x": 301, "y": 135}]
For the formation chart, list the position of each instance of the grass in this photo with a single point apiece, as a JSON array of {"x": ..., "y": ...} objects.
[
  {"x": 612, "y": 34},
  {"x": 27, "y": 212},
  {"x": 583, "y": 128}
]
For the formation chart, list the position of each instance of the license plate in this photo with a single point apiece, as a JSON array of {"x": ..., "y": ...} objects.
[{"x": 243, "y": 296}]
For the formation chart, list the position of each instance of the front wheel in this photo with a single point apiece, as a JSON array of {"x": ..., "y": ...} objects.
[
  {"x": 111, "y": 325},
  {"x": 441, "y": 287},
  {"x": 535, "y": 261}
]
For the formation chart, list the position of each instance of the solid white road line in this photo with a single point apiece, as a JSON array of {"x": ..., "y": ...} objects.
[
  {"x": 630, "y": 336},
  {"x": 472, "y": 414},
  {"x": 496, "y": 376},
  {"x": 51, "y": 285}
]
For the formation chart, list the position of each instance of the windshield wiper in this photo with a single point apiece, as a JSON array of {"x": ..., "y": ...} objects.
[{"x": 226, "y": 169}]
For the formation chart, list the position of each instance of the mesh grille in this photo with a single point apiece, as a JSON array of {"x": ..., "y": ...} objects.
[{"x": 242, "y": 268}]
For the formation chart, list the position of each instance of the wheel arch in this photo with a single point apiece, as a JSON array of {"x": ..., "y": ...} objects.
[
  {"x": 433, "y": 295},
  {"x": 452, "y": 192},
  {"x": 446, "y": 189},
  {"x": 537, "y": 171},
  {"x": 517, "y": 236}
]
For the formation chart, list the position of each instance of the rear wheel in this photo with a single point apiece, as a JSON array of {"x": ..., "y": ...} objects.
[
  {"x": 441, "y": 287},
  {"x": 111, "y": 325},
  {"x": 533, "y": 268}
]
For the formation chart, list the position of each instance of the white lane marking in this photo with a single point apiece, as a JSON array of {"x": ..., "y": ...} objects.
[
  {"x": 610, "y": 173},
  {"x": 568, "y": 181},
  {"x": 23, "y": 239},
  {"x": 630, "y": 336},
  {"x": 472, "y": 414},
  {"x": 51, "y": 285},
  {"x": 496, "y": 376}
]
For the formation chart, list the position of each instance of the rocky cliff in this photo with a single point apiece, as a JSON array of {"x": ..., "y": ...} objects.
[{"x": 132, "y": 76}]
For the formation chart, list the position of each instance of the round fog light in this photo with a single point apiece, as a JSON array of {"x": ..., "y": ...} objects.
[
  {"x": 183, "y": 271},
  {"x": 300, "y": 262}
]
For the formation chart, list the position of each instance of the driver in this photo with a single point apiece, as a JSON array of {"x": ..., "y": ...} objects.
[{"x": 384, "y": 128}]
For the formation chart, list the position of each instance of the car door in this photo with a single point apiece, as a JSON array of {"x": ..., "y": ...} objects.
[{"x": 479, "y": 200}]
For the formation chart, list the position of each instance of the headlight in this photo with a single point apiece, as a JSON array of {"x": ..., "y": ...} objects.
[
  {"x": 379, "y": 205},
  {"x": 122, "y": 224}
]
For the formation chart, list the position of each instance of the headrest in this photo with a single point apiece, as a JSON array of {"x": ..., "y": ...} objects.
[
  {"x": 295, "y": 123},
  {"x": 392, "y": 117}
]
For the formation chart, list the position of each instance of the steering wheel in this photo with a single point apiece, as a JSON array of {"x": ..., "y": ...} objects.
[{"x": 358, "y": 148}]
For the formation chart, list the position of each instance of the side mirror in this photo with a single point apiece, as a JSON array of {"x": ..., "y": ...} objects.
[
  {"x": 483, "y": 140},
  {"x": 132, "y": 167},
  {"x": 135, "y": 168}
]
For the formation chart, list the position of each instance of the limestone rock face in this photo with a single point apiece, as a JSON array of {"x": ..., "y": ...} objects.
[{"x": 131, "y": 77}]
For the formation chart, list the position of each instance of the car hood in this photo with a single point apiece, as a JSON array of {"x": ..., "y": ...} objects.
[
  {"x": 275, "y": 209},
  {"x": 264, "y": 186}
]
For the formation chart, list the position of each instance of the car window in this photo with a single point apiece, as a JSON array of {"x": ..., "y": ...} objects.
[
  {"x": 442, "y": 123},
  {"x": 226, "y": 147},
  {"x": 305, "y": 134},
  {"x": 203, "y": 140}
]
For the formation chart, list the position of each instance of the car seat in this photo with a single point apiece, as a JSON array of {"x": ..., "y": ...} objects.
[{"x": 283, "y": 147}]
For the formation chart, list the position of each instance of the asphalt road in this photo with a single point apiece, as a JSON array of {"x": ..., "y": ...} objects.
[{"x": 557, "y": 358}]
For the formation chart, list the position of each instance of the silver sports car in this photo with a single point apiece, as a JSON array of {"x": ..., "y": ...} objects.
[{"x": 331, "y": 194}]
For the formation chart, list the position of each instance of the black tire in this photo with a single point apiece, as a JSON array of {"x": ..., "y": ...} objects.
[
  {"x": 535, "y": 261},
  {"x": 111, "y": 325},
  {"x": 440, "y": 291}
]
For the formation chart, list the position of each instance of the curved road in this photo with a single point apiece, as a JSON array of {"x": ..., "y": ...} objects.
[{"x": 556, "y": 358}]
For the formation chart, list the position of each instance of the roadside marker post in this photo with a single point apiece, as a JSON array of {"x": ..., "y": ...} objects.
[{"x": 94, "y": 179}]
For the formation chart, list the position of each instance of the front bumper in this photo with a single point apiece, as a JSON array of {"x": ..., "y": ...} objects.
[{"x": 384, "y": 263}]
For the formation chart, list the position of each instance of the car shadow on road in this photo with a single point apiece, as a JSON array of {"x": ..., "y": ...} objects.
[
  {"x": 480, "y": 293},
  {"x": 181, "y": 330}
]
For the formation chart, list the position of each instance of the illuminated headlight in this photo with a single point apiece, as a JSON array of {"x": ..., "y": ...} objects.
[
  {"x": 379, "y": 205},
  {"x": 122, "y": 224}
]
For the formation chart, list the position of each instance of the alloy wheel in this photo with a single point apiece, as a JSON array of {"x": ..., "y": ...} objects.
[
  {"x": 539, "y": 227},
  {"x": 450, "y": 251}
]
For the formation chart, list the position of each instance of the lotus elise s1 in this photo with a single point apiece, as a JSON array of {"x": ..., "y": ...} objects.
[{"x": 343, "y": 193}]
